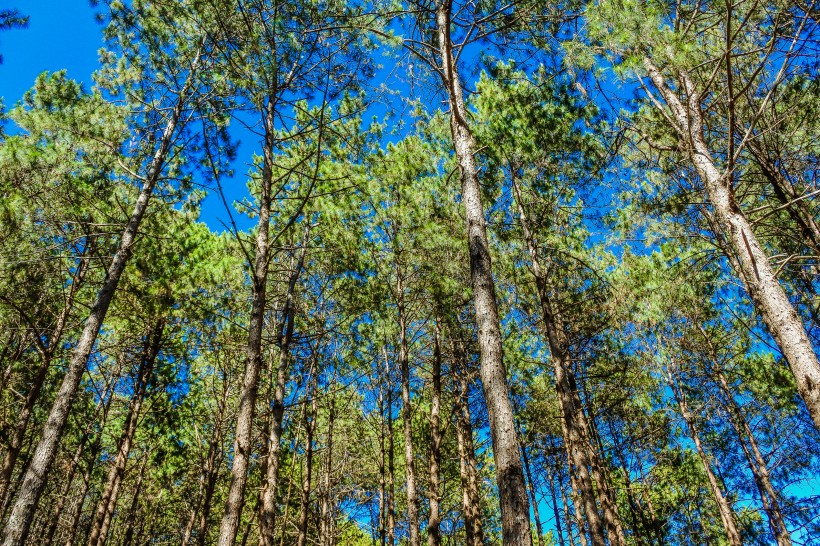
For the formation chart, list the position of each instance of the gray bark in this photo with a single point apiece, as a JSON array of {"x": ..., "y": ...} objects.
[
  {"x": 19, "y": 522},
  {"x": 267, "y": 513},
  {"x": 757, "y": 274},
  {"x": 512, "y": 489},
  {"x": 253, "y": 353}
]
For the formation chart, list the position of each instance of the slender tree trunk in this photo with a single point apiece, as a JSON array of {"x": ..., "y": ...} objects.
[
  {"x": 212, "y": 474},
  {"x": 100, "y": 416},
  {"x": 755, "y": 459},
  {"x": 391, "y": 467},
  {"x": 434, "y": 518},
  {"x": 757, "y": 464},
  {"x": 131, "y": 519},
  {"x": 382, "y": 466},
  {"x": 571, "y": 412},
  {"x": 727, "y": 515},
  {"x": 531, "y": 486},
  {"x": 310, "y": 425},
  {"x": 556, "y": 513},
  {"x": 326, "y": 519},
  {"x": 756, "y": 272},
  {"x": 253, "y": 354},
  {"x": 512, "y": 489},
  {"x": 19, "y": 523},
  {"x": 466, "y": 454},
  {"x": 407, "y": 417},
  {"x": 46, "y": 353},
  {"x": 267, "y": 513},
  {"x": 108, "y": 500},
  {"x": 606, "y": 492}
]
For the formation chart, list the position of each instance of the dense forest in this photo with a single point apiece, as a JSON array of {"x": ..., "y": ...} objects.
[{"x": 522, "y": 273}]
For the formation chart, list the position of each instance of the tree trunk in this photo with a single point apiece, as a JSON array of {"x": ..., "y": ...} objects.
[
  {"x": 512, "y": 490},
  {"x": 46, "y": 353},
  {"x": 727, "y": 515},
  {"x": 466, "y": 453},
  {"x": 270, "y": 487},
  {"x": 434, "y": 518},
  {"x": 110, "y": 494},
  {"x": 756, "y": 272},
  {"x": 391, "y": 465},
  {"x": 382, "y": 466},
  {"x": 310, "y": 425},
  {"x": 253, "y": 353},
  {"x": 327, "y": 517},
  {"x": 539, "y": 530},
  {"x": 131, "y": 520},
  {"x": 19, "y": 523},
  {"x": 755, "y": 459},
  {"x": 556, "y": 513},
  {"x": 407, "y": 417},
  {"x": 571, "y": 413}
]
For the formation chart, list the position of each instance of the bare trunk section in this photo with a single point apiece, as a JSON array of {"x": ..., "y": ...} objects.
[
  {"x": 19, "y": 522},
  {"x": 434, "y": 517},
  {"x": 253, "y": 354},
  {"x": 727, "y": 515},
  {"x": 407, "y": 416},
  {"x": 131, "y": 520},
  {"x": 100, "y": 415},
  {"x": 382, "y": 466},
  {"x": 108, "y": 500},
  {"x": 391, "y": 467},
  {"x": 512, "y": 489},
  {"x": 327, "y": 518},
  {"x": 46, "y": 352},
  {"x": 754, "y": 457},
  {"x": 309, "y": 419},
  {"x": 471, "y": 499},
  {"x": 556, "y": 514},
  {"x": 539, "y": 530},
  {"x": 573, "y": 423},
  {"x": 267, "y": 514},
  {"x": 756, "y": 272}
]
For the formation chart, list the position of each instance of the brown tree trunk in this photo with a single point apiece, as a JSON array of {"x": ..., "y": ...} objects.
[
  {"x": 391, "y": 465},
  {"x": 571, "y": 412},
  {"x": 539, "y": 530},
  {"x": 131, "y": 519},
  {"x": 606, "y": 492},
  {"x": 19, "y": 522},
  {"x": 466, "y": 453},
  {"x": 760, "y": 280},
  {"x": 512, "y": 489},
  {"x": 727, "y": 515},
  {"x": 556, "y": 513},
  {"x": 100, "y": 416},
  {"x": 46, "y": 352},
  {"x": 253, "y": 353},
  {"x": 755, "y": 459},
  {"x": 310, "y": 425},
  {"x": 382, "y": 465},
  {"x": 407, "y": 417},
  {"x": 110, "y": 494},
  {"x": 270, "y": 486},
  {"x": 327, "y": 516},
  {"x": 434, "y": 517}
]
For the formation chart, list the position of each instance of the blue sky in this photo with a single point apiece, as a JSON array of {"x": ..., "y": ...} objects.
[
  {"x": 61, "y": 35},
  {"x": 64, "y": 35}
]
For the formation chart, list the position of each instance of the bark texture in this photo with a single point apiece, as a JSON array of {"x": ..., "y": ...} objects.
[
  {"x": 253, "y": 353},
  {"x": 19, "y": 522},
  {"x": 759, "y": 279},
  {"x": 512, "y": 489}
]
